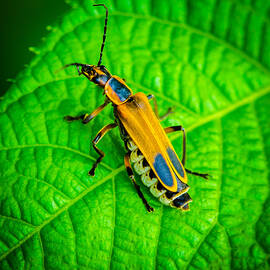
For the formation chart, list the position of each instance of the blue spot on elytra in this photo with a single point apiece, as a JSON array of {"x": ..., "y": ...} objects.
[{"x": 163, "y": 170}]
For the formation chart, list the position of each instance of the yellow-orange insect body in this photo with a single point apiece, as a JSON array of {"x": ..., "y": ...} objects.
[{"x": 147, "y": 144}]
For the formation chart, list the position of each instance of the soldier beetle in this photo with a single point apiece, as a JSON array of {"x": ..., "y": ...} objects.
[{"x": 146, "y": 142}]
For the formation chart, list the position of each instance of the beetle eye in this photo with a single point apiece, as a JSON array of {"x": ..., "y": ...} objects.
[{"x": 84, "y": 69}]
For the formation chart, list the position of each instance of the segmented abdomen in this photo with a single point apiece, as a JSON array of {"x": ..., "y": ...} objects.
[{"x": 179, "y": 199}]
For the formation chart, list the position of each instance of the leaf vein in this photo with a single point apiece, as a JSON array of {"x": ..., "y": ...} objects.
[
  {"x": 114, "y": 223},
  {"x": 210, "y": 36},
  {"x": 42, "y": 251},
  {"x": 158, "y": 236},
  {"x": 66, "y": 207},
  {"x": 62, "y": 147},
  {"x": 17, "y": 220},
  {"x": 46, "y": 183},
  {"x": 189, "y": 262}
]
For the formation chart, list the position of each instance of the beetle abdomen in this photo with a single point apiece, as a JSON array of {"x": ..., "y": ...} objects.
[{"x": 179, "y": 199}]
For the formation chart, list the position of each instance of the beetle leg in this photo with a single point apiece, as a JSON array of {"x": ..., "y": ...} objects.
[
  {"x": 203, "y": 175},
  {"x": 170, "y": 110},
  {"x": 164, "y": 116},
  {"x": 131, "y": 176},
  {"x": 177, "y": 128},
  {"x": 87, "y": 117},
  {"x": 155, "y": 104},
  {"x": 96, "y": 140}
]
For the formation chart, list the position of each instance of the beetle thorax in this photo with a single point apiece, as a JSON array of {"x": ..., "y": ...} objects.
[{"x": 117, "y": 90}]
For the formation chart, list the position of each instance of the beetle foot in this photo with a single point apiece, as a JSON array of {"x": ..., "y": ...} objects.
[
  {"x": 69, "y": 118},
  {"x": 91, "y": 172}
]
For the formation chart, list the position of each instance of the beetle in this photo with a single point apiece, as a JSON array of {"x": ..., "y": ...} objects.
[{"x": 146, "y": 142}]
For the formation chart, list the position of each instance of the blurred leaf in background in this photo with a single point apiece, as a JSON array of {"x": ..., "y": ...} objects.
[
  {"x": 208, "y": 59},
  {"x": 22, "y": 26}
]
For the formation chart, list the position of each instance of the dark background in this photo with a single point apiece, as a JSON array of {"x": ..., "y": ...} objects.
[{"x": 22, "y": 25}]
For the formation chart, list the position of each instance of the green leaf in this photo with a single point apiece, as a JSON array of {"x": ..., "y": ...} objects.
[{"x": 208, "y": 59}]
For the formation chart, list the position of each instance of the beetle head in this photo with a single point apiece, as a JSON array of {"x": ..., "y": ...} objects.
[{"x": 97, "y": 74}]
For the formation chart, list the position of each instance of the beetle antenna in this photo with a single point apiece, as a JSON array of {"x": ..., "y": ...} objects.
[
  {"x": 73, "y": 64},
  {"x": 104, "y": 34}
]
